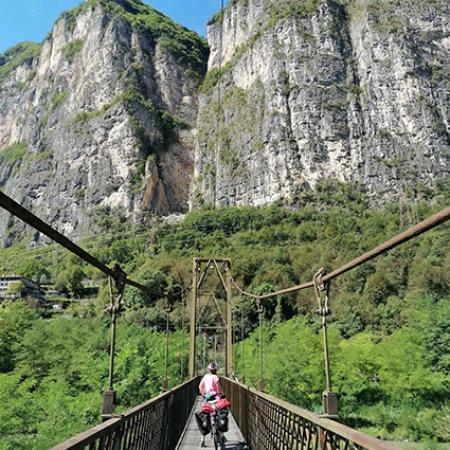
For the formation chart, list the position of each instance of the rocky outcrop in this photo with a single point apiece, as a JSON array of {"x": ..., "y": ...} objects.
[
  {"x": 314, "y": 90},
  {"x": 100, "y": 119}
]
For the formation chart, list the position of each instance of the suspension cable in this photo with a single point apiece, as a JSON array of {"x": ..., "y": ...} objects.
[
  {"x": 243, "y": 292},
  {"x": 242, "y": 339},
  {"x": 29, "y": 218},
  {"x": 180, "y": 345},
  {"x": 233, "y": 341},
  {"x": 167, "y": 309},
  {"x": 260, "y": 310}
]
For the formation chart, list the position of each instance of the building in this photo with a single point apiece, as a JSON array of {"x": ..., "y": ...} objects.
[{"x": 17, "y": 286}]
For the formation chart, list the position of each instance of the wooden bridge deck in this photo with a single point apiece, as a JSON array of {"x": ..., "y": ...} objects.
[{"x": 190, "y": 440}]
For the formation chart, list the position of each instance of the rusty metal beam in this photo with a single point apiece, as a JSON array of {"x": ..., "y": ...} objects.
[
  {"x": 29, "y": 218},
  {"x": 401, "y": 238},
  {"x": 200, "y": 259},
  {"x": 216, "y": 304},
  {"x": 224, "y": 285},
  {"x": 202, "y": 276}
]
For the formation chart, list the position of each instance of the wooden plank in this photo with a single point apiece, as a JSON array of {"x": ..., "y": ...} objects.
[{"x": 191, "y": 436}]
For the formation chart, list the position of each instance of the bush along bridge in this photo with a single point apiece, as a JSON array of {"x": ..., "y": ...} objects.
[{"x": 263, "y": 421}]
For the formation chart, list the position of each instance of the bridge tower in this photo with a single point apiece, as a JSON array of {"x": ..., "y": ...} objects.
[{"x": 222, "y": 267}]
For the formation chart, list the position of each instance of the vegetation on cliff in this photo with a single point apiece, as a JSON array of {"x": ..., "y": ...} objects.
[
  {"x": 188, "y": 48},
  {"x": 25, "y": 52}
]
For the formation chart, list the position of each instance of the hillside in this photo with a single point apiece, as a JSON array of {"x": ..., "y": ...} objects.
[{"x": 390, "y": 320}]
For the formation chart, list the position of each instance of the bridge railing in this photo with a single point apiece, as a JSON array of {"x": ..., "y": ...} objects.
[
  {"x": 268, "y": 423},
  {"x": 155, "y": 424}
]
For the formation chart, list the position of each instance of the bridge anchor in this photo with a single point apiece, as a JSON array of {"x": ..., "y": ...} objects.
[
  {"x": 330, "y": 405},
  {"x": 109, "y": 404}
]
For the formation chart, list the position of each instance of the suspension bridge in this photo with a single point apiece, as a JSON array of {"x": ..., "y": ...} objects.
[{"x": 262, "y": 421}]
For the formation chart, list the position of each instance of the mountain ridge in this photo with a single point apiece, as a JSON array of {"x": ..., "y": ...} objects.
[{"x": 319, "y": 91}]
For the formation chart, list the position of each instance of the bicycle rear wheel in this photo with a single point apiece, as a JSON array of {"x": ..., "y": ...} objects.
[
  {"x": 216, "y": 438},
  {"x": 221, "y": 441}
]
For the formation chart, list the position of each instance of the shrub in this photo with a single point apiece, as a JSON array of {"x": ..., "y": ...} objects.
[
  {"x": 23, "y": 53},
  {"x": 72, "y": 49},
  {"x": 14, "y": 153},
  {"x": 58, "y": 99}
]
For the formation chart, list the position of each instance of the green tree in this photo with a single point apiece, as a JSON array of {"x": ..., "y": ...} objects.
[
  {"x": 15, "y": 289},
  {"x": 15, "y": 318}
]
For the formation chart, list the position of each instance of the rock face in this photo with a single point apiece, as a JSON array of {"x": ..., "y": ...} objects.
[
  {"x": 313, "y": 90},
  {"x": 99, "y": 119},
  {"x": 104, "y": 118}
]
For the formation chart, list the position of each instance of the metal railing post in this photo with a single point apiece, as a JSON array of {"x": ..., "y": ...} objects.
[
  {"x": 193, "y": 320},
  {"x": 261, "y": 382},
  {"x": 330, "y": 399},
  {"x": 166, "y": 350},
  {"x": 229, "y": 369},
  {"x": 109, "y": 395}
]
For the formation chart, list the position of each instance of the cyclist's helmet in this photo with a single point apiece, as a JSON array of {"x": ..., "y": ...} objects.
[{"x": 213, "y": 366}]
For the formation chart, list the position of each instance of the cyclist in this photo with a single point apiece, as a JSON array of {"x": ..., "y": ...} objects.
[
  {"x": 209, "y": 388},
  {"x": 210, "y": 382}
]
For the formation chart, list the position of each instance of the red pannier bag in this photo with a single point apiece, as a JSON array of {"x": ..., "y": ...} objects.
[
  {"x": 223, "y": 403},
  {"x": 207, "y": 408}
]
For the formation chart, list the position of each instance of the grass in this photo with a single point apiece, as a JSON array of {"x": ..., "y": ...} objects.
[
  {"x": 338, "y": 103},
  {"x": 14, "y": 57},
  {"x": 14, "y": 153},
  {"x": 72, "y": 49},
  {"x": 440, "y": 74},
  {"x": 300, "y": 9},
  {"x": 85, "y": 116},
  {"x": 212, "y": 78},
  {"x": 44, "y": 155},
  {"x": 58, "y": 99}
]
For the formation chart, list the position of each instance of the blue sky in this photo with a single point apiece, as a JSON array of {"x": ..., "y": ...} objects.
[{"x": 31, "y": 20}]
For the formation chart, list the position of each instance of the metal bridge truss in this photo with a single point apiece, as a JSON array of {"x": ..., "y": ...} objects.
[{"x": 222, "y": 267}]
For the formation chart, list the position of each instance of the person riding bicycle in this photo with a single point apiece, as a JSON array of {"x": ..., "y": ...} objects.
[
  {"x": 209, "y": 388},
  {"x": 210, "y": 381}
]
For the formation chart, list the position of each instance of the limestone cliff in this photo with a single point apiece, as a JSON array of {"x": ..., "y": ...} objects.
[
  {"x": 99, "y": 118},
  {"x": 312, "y": 90},
  {"x": 105, "y": 116}
]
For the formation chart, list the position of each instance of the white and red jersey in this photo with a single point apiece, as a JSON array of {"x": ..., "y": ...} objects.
[{"x": 209, "y": 384}]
